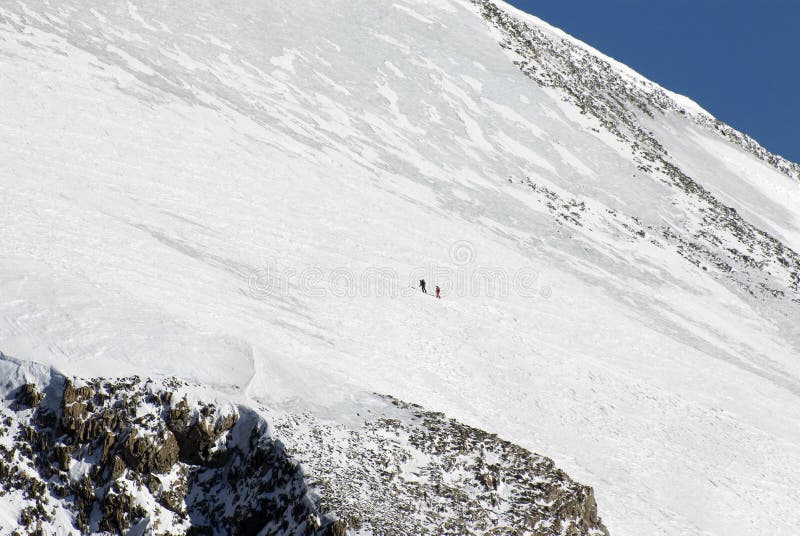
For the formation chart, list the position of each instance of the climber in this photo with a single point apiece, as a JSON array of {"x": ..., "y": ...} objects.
[
  {"x": 438, "y": 290},
  {"x": 422, "y": 286}
]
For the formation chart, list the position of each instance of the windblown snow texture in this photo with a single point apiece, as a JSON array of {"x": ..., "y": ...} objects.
[{"x": 185, "y": 187}]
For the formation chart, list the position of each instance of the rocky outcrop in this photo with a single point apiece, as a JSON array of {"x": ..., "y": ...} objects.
[
  {"x": 715, "y": 237},
  {"x": 29, "y": 396},
  {"x": 601, "y": 90},
  {"x": 198, "y": 434},
  {"x": 417, "y": 472},
  {"x": 150, "y": 455},
  {"x": 110, "y": 456}
]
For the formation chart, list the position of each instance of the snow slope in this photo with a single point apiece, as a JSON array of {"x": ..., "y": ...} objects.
[{"x": 243, "y": 195}]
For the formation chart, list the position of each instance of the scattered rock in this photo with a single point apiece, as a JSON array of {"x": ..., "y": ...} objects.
[
  {"x": 207, "y": 471},
  {"x": 150, "y": 455},
  {"x": 121, "y": 433},
  {"x": 117, "y": 468},
  {"x": 384, "y": 488},
  {"x": 338, "y": 528},
  {"x": 29, "y": 396}
]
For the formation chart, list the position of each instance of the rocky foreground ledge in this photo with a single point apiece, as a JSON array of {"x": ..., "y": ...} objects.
[{"x": 139, "y": 457}]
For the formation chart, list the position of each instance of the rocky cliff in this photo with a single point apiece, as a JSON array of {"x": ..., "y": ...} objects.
[{"x": 138, "y": 456}]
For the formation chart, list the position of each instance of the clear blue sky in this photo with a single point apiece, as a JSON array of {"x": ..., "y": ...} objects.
[{"x": 738, "y": 59}]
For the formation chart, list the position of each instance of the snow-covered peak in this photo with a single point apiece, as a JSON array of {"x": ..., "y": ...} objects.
[
  {"x": 246, "y": 195},
  {"x": 556, "y": 34}
]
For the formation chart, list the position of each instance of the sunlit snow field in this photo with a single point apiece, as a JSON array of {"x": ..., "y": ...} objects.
[{"x": 211, "y": 190}]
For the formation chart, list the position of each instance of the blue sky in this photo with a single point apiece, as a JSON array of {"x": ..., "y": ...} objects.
[{"x": 738, "y": 59}]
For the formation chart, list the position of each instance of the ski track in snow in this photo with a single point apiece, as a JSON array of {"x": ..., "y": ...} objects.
[{"x": 145, "y": 181}]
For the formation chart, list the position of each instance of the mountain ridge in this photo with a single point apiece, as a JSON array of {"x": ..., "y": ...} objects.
[
  {"x": 186, "y": 191},
  {"x": 700, "y": 114}
]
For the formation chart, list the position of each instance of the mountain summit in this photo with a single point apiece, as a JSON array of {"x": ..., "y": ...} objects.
[{"x": 215, "y": 216}]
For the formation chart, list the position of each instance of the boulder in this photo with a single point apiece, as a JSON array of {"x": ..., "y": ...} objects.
[
  {"x": 146, "y": 455},
  {"x": 29, "y": 396}
]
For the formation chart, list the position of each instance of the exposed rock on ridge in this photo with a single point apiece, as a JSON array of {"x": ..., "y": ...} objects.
[
  {"x": 716, "y": 236},
  {"x": 115, "y": 456}
]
